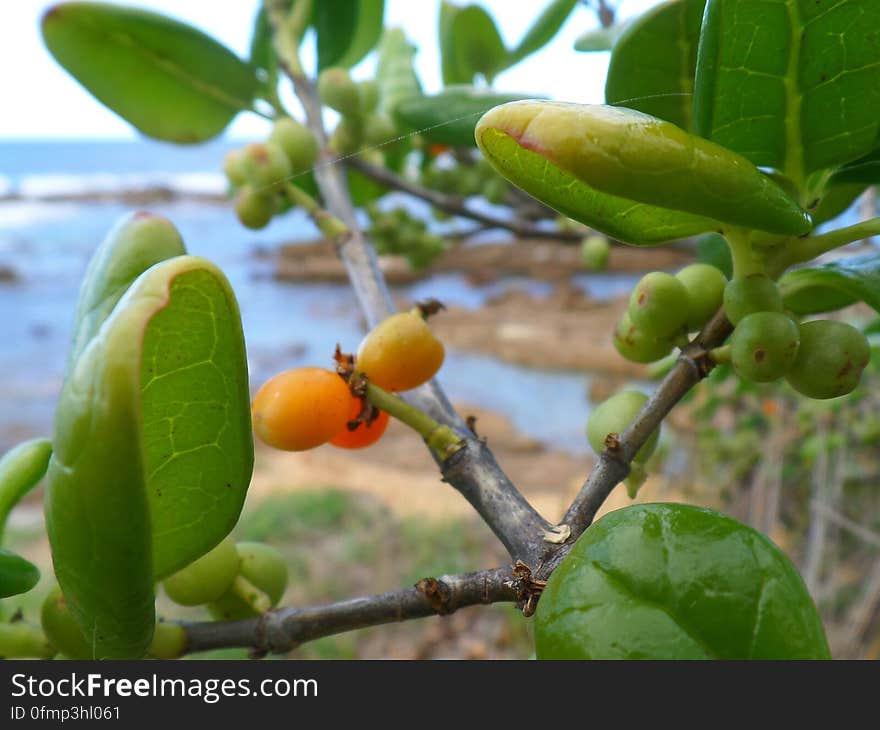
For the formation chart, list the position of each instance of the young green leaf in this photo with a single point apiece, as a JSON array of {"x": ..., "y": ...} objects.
[
  {"x": 476, "y": 45},
  {"x": 790, "y": 84},
  {"x": 17, "y": 575},
  {"x": 395, "y": 71},
  {"x": 168, "y": 79},
  {"x": 674, "y": 581},
  {"x": 653, "y": 62},
  {"x": 153, "y": 452},
  {"x": 21, "y": 469},
  {"x": 450, "y": 116},
  {"x": 630, "y": 155},
  {"x": 542, "y": 31},
  {"x": 834, "y": 285}
]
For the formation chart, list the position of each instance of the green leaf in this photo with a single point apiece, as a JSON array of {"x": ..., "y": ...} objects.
[
  {"x": 837, "y": 198},
  {"x": 450, "y": 116},
  {"x": 599, "y": 39},
  {"x": 653, "y": 62},
  {"x": 476, "y": 44},
  {"x": 21, "y": 469},
  {"x": 262, "y": 54},
  {"x": 791, "y": 84},
  {"x": 541, "y": 32},
  {"x": 833, "y": 285},
  {"x": 17, "y": 575},
  {"x": 133, "y": 245},
  {"x": 168, "y": 79},
  {"x": 370, "y": 18},
  {"x": 395, "y": 71},
  {"x": 153, "y": 452},
  {"x": 865, "y": 170},
  {"x": 712, "y": 249},
  {"x": 451, "y": 72},
  {"x": 673, "y": 581},
  {"x": 627, "y": 154},
  {"x": 625, "y": 220}
]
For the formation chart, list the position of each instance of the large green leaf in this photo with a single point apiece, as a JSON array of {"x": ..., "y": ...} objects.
[
  {"x": 17, "y": 575},
  {"x": 541, "y": 32},
  {"x": 133, "y": 245},
  {"x": 346, "y": 30},
  {"x": 449, "y": 69},
  {"x": 153, "y": 452},
  {"x": 625, "y": 220},
  {"x": 833, "y": 285},
  {"x": 395, "y": 71},
  {"x": 476, "y": 44},
  {"x": 625, "y": 153},
  {"x": 790, "y": 84},
  {"x": 370, "y": 18},
  {"x": 168, "y": 79},
  {"x": 865, "y": 170},
  {"x": 673, "y": 581},
  {"x": 653, "y": 62},
  {"x": 21, "y": 469},
  {"x": 450, "y": 116}
]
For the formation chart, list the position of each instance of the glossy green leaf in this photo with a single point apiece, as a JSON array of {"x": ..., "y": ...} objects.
[
  {"x": 476, "y": 44},
  {"x": 600, "y": 39},
  {"x": 153, "y": 452},
  {"x": 790, "y": 84},
  {"x": 450, "y": 116},
  {"x": 673, "y": 581},
  {"x": 625, "y": 220},
  {"x": 368, "y": 31},
  {"x": 395, "y": 71},
  {"x": 21, "y": 469},
  {"x": 168, "y": 79},
  {"x": 833, "y": 285},
  {"x": 262, "y": 54},
  {"x": 133, "y": 245},
  {"x": 653, "y": 62},
  {"x": 630, "y": 155},
  {"x": 17, "y": 575},
  {"x": 865, "y": 170},
  {"x": 542, "y": 31}
]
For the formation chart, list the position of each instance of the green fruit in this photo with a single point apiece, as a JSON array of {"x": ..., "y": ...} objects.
[
  {"x": 830, "y": 359},
  {"x": 745, "y": 296},
  {"x": 21, "y": 640},
  {"x": 637, "y": 345},
  {"x": 379, "y": 130},
  {"x": 613, "y": 416},
  {"x": 264, "y": 569},
  {"x": 266, "y": 166},
  {"x": 347, "y": 137},
  {"x": 595, "y": 251},
  {"x": 705, "y": 287},
  {"x": 673, "y": 581},
  {"x": 659, "y": 305},
  {"x": 338, "y": 91},
  {"x": 298, "y": 143},
  {"x": 169, "y": 641},
  {"x": 206, "y": 579},
  {"x": 369, "y": 91},
  {"x": 61, "y": 628},
  {"x": 764, "y": 346},
  {"x": 254, "y": 209},
  {"x": 233, "y": 166}
]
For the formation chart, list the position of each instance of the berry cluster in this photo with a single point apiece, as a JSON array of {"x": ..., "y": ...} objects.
[
  {"x": 259, "y": 170},
  {"x": 398, "y": 232},
  {"x": 463, "y": 177},
  {"x": 303, "y": 408}
]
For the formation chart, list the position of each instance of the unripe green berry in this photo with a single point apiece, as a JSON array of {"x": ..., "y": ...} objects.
[
  {"x": 764, "y": 346},
  {"x": 636, "y": 345},
  {"x": 297, "y": 141},
  {"x": 265, "y": 569},
  {"x": 659, "y": 305},
  {"x": 62, "y": 629},
  {"x": 755, "y": 293},
  {"x": 369, "y": 91},
  {"x": 205, "y": 579},
  {"x": 830, "y": 360},
  {"x": 347, "y": 137},
  {"x": 266, "y": 165},
  {"x": 379, "y": 130},
  {"x": 169, "y": 641},
  {"x": 338, "y": 91},
  {"x": 233, "y": 166},
  {"x": 254, "y": 209},
  {"x": 613, "y": 416},
  {"x": 705, "y": 287},
  {"x": 595, "y": 251}
]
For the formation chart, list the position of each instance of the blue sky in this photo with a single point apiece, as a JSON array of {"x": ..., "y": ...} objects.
[{"x": 42, "y": 101}]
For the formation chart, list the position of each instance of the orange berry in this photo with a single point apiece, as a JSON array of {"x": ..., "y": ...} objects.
[
  {"x": 365, "y": 434},
  {"x": 300, "y": 409},
  {"x": 400, "y": 353}
]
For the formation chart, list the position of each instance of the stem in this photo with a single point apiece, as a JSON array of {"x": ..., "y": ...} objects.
[
  {"x": 282, "y": 630},
  {"x": 814, "y": 246},
  {"x": 327, "y": 223},
  {"x": 745, "y": 262},
  {"x": 720, "y": 355},
  {"x": 250, "y": 594},
  {"x": 441, "y": 439},
  {"x": 289, "y": 27}
]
